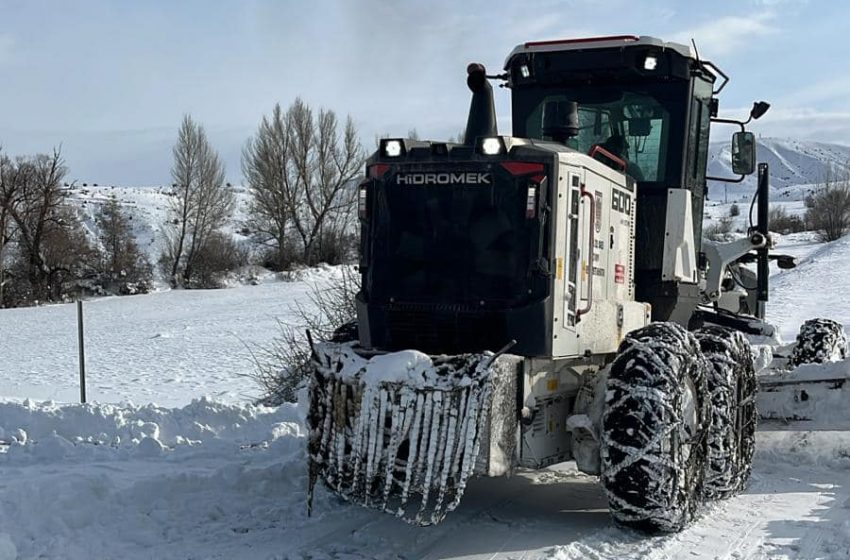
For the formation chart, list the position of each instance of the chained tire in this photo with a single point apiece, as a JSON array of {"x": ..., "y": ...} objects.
[
  {"x": 654, "y": 429},
  {"x": 819, "y": 341},
  {"x": 731, "y": 381}
]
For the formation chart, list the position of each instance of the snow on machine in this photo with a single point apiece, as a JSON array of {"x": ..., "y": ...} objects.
[{"x": 547, "y": 296}]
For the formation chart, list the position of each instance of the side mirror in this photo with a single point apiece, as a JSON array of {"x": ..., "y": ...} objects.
[
  {"x": 743, "y": 153},
  {"x": 560, "y": 119}
]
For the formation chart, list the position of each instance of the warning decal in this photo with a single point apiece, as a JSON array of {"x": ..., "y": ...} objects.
[{"x": 619, "y": 274}]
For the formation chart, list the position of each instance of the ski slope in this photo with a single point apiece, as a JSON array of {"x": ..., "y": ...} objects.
[{"x": 220, "y": 478}]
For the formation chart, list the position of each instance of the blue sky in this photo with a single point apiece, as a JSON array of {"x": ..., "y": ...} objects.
[{"x": 110, "y": 80}]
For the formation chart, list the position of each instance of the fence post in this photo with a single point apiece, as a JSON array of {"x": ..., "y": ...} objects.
[{"x": 82, "y": 351}]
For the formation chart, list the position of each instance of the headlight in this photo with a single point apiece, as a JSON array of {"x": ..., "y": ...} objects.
[
  {"x": 491, "y": 146},
  {"x": 393, "y": 148},
  {"x": 650, "y": 62}
]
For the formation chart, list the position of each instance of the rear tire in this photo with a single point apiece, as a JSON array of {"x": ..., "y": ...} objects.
[
  {"x": 819, "y": 340},
  {"x": 732, "y": 390},
  {"x": 654, "y": 429}
]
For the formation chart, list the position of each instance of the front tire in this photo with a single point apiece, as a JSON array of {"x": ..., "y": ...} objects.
[
  {"x": 732, "y": 389},
  {"x": 653, "y": 429},
  {"x": 819, "y": 341}
]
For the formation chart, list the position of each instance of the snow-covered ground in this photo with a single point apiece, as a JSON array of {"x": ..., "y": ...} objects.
[
  {"x": 221, "y": 478},
  {"x": 224, "y": 481},
  {"x": 166, "y": 347}
]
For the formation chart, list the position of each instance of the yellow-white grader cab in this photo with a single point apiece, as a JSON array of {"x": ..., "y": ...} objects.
[{"x": 547, "y": 296}]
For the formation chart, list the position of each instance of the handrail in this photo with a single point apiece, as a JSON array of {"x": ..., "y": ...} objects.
[
  {"x": 597, "y": 149},
  {"x": 586, "y": 310}
]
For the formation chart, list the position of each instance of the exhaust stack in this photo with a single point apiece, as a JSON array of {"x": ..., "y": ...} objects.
[{"x": 482, "y": 110}]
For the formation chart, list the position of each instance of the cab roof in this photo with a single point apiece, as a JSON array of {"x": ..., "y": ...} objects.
[{"x": 594, "y": 43}]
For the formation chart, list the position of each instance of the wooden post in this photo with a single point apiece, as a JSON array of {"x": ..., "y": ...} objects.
[{"x": 82, "y": 351}]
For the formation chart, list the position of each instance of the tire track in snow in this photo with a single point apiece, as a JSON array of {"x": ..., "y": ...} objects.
[{"x": 735, "y": 529}]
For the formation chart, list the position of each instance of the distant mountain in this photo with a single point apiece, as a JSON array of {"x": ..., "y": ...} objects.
[{"x": 792, "y": 163}]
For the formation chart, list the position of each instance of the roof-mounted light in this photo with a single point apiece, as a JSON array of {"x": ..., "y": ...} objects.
[
  {"x": 491, "y": 146},
  {"x": 650, "y": 62},
  {"x": 392, "y": 147}
]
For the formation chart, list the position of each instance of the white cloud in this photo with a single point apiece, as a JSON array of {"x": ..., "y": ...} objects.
[
  {"x": 771, "y": 3},
  {"x": 803, "y": 123},
  {"x": 724, "y": 35},
  {"x": 817, "y": 93}
]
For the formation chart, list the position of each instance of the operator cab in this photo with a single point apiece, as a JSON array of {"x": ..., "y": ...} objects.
[{"x": 644, "y": 106}]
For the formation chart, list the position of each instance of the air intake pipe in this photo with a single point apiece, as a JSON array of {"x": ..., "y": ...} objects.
[{"x": 482, "y": 110}]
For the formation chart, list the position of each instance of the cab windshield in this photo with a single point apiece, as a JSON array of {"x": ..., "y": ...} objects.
[{"x": 639, "y": 124}]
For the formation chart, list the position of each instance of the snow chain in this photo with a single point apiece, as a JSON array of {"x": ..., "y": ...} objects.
[{"x": 406, "y": 445}]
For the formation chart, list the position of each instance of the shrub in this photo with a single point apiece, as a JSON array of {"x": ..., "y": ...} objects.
[
  {"x": 734, "y": 211},
  {"x": 828, "y": 209},
  {"x": 719, "y": 230},
  {"x": 283, "y": 367},
  {"x": 782, "y": 222},
  {"x": 219, "y": 255}
]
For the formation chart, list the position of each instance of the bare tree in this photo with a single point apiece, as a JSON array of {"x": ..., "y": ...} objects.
[
  {"x": 327, "y": 161},
  {"x": 201, "y": 203},
  {"x": 266, "y": 165},
  {"x": 51, "y": 249},
  {"x": 5, "y": 167},
  {"x": 828, "y": 208},
  {"x": 300, "y": 169},
  {"x": 124, "y": 267}
]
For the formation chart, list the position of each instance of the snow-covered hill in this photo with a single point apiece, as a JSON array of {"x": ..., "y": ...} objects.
[
  {"x": 792, "y": 162},
  {"x": 147, "y": 209}
]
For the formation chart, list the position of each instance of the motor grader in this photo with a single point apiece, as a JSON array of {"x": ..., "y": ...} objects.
[{"x": 547, "y": 296}]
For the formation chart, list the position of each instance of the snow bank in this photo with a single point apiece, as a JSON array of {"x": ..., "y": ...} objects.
[
  {"x": 806, "y": 412},
  {"x": 105, "y": 481},
  {"x": 45, "y": 431},
  {"x": 816, "y": 393},
  {"x": 801, "y": 447}
]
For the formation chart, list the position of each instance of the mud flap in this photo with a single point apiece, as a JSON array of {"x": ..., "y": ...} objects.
[{"x": 398, "y": 432}]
